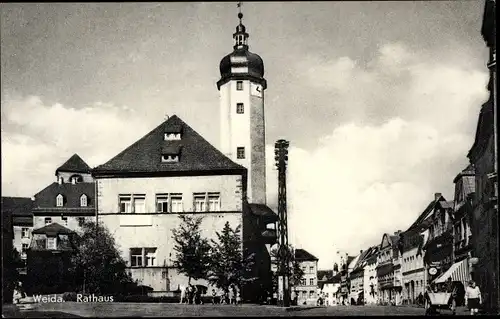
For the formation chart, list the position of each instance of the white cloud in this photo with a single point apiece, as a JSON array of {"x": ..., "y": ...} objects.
[
  {"x": 37, "y": 138},
  {"x": 366, "y": 179}
]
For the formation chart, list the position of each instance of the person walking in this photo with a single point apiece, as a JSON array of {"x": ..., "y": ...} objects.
[
  {"x": 473, "y": 297},
  {"x": 231, "y": 295},
  {"x": 238, "y": 298},
  {"x": 214, "y": 295},
  {"x": 183, "y": 294}
]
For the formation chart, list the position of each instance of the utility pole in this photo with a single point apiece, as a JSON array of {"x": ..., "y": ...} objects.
[{"x": 281, "y": 157}]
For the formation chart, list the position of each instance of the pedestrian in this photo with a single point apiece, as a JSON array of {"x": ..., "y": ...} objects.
[
  {"x": 473, "y": 297},
  {"x": 293, "y": 297},
  {"x": 214, "y": 295},
  {"x": 231, "y": 295},
  {"x": 238, "y": 297},
  {"x": 183, "y": 294}
]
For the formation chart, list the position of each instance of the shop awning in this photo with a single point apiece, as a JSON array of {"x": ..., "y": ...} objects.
[{"x": 459, "y": 271}]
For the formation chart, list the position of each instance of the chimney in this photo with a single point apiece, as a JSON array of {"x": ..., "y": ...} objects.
[{"x": 437, "y": 196}]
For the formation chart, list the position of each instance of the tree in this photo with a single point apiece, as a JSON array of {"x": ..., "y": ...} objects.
[
  {"x": 192, "y": 250},
  {"x": 295, "y": 271},
  {"x": 229, "y": 264},
  {"x": 11, "y": 278},
  {"x": 96, "y": 264}
]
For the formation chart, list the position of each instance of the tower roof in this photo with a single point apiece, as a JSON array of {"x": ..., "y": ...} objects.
[
  {"x": 196, "y": 155},
  {"x": 74, "y": 164},
  {"x": 241, "y": 63}
]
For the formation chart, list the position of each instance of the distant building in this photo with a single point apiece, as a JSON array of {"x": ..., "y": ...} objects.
[
  {"x": 307, "y": 290},
  {"x": 462, "y": 220},
  {"x": 389, "y": 290},
  {"x": 370, "y": 284},
  {"x": 357, "y": 277},
  {"x": 330, "y": 287},
  {"x": 483, "y": 155},
  {"x": 347, "y": 265},
  {"x": 68, "y": 200}
]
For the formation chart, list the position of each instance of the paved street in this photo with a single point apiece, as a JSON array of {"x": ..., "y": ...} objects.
[{"x": 175, "y": 310}]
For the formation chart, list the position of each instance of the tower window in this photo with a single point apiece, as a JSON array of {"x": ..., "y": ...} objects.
[
  {"x": 240, "y": 108},
  {"x": 83, "y": 200},
  {"x": 240, "y": 152},
  {"x": 239, "y": 85}
]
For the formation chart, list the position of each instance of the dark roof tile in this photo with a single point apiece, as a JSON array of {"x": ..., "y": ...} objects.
[
  {"x": 144, "y": 156},
  {"x": 74, "y": 164},
  {"x": 301, "y": 254},
  {"x": 17, "y": 206},
  {"x": 71, "y": 193},
  {"x": 263, "y": 211}
]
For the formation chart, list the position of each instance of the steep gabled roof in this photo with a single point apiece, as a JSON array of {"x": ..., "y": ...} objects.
[
  {"x": 145, "y": 155},
  {"x": 303, "y": 255},
  {"x": 426, "y": 212},
  {"x": 71, "y": 193},
  {"x": 74, "y": 164}
]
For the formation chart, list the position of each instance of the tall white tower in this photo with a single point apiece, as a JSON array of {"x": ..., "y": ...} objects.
[{"x": 242, "y": 125}]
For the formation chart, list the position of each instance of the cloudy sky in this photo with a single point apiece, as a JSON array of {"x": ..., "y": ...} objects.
[{"x": 378, "y": 99}]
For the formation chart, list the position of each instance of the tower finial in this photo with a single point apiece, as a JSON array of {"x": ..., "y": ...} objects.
[{"x": 240, "y": 15}]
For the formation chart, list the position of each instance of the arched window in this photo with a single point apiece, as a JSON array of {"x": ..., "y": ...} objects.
[
  {"x": 76, "y": 179},
  {"x": 83, "y": 200},
  {"x": 59, "y": 200}
]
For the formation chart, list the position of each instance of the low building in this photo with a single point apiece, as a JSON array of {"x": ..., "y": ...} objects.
[
  {"x": 49, "y": 260},
  {"x": 329, "y": 288}
]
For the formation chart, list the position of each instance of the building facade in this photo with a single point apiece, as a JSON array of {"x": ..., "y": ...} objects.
[
  {"x": 307, "y": 293},
  {"x": 412, "y": 266},
  {"x": 483, "y": 155},
  {"x": 389, "y": 291},
  {"x": 370, "y": 277},
  {"x": 172, "y": 171}
]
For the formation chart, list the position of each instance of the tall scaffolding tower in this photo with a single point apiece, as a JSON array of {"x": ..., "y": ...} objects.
[{"x": 281, "y": 157}]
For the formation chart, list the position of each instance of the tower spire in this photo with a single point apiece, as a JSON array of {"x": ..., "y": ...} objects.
[{"x": 240, "y": 36}]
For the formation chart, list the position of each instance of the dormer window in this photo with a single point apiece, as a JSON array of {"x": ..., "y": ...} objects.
[
  {"x": 170, "y": 158},
  {"x": 83, "y": 200},
  {"x": 59, "y": 200},
  {"x": 171, "y": 153},
  {"x": 172, "y": 136},
  {"x": 76, "y": 179}
]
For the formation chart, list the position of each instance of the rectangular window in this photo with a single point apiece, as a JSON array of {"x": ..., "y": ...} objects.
[
  {"x": 139, "y": 204},
  {"x": 25, "y": 232},
  {"x": 240, "y": 108},
  {"x": 51, "y": 243},
  {"x": 176, "y": 200},
  {"x": 150, "y": 256},
  {"x": 240, "y": 152},
  {"x": 162, "y": 203},
  {"x": 302, "y": 282},
  {"x": 23, "y": 250},
  {"x": 311, "y": 282},
  {"x": 304, "y": 294},
  {"x": 136, "y": 257},
  {"x": 172, "y": 136},
  {"x": 311, "y": 294},
  {"x": 199, "y": 200},
  {"x": 125, "y": 204},
  {"x": 48, "y": 220},
  {"x": 170, "y": 158},
  {"x": 214, "y": 202},
  {"x": 64, "y": 220},
  {"x": 239, "y": 85},
  {"x": 311, "y": 269}
]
